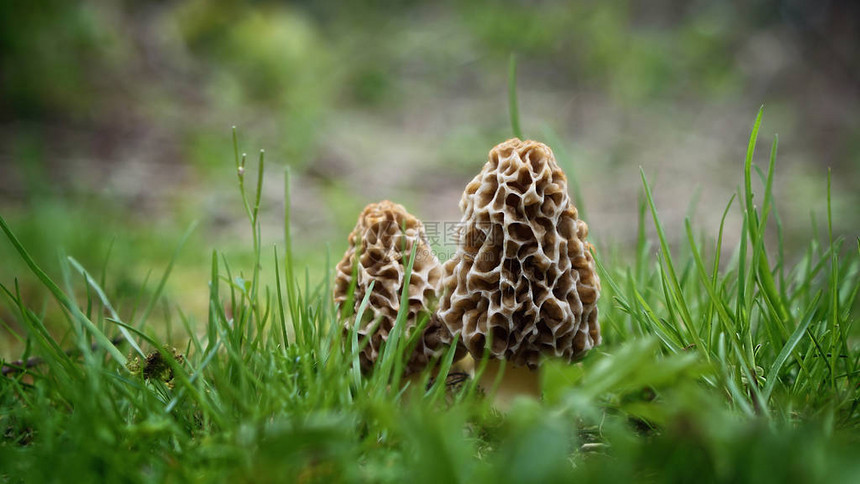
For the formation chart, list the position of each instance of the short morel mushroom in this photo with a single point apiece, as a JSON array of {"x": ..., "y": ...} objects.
[
  {"x": 379, "y": 251},
  {"x": 522, "y": 281}
]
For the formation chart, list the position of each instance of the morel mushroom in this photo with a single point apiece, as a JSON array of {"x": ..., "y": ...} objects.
[
  {"x": 522, "y": 280},
  {"x": 379, "y": 251}
]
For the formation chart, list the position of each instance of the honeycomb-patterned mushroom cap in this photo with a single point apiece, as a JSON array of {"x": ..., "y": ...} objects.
[
  {"x": 523, "y": 275},
  {"x": 379, "y": 248}
]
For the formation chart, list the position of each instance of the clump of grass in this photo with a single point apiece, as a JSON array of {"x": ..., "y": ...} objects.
[
  {"x": 777, "y": 338},
  {"x": 727, "y": 368}
]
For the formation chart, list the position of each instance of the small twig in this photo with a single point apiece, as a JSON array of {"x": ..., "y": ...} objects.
[
  {"x": 19, "y": 366},
  {"x": 452, "y": 381}
]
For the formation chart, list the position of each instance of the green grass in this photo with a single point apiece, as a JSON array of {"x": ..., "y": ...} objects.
[{"x": 721, "y": 364}]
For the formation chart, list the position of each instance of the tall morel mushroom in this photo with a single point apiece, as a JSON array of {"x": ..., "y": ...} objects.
[
  {"x": 379, "y": 251},
  {"x": 522, "y": 280}
]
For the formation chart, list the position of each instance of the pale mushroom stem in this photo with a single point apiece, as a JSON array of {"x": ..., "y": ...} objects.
[{"x": 515, "y": 381}]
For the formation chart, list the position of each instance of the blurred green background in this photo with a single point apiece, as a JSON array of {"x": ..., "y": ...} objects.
[{"x": 115, "y": 118}]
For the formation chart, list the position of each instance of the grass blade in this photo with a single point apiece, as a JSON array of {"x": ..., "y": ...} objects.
[
  {"x": 61, "y": 297},
  {"x": 512, "y": 97}
]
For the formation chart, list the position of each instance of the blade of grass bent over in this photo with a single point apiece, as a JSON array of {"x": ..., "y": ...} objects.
[
  {"x": 100, "y": 293},
  {"x": 61, "y": 297}
]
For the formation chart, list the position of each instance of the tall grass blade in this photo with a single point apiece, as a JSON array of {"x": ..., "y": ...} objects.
[
  {"x": 513, "y": 106},
  {"x": 160, "y": 288}
]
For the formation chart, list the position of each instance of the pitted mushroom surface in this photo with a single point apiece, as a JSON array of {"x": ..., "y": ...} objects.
[
  {"x": 523, "y": 276},
  {"x": 379, "y": 250}
]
